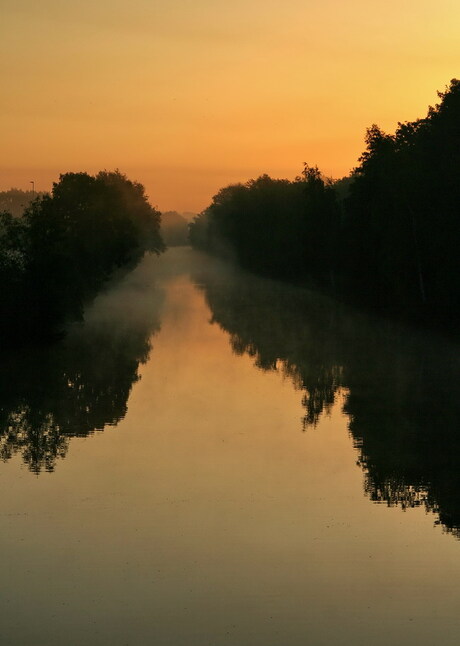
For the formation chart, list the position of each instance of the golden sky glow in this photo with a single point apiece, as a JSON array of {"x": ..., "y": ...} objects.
[{"x": 189, "y": 95}]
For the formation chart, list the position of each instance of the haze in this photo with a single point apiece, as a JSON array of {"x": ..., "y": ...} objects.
[{"x": 188, "y": 96}]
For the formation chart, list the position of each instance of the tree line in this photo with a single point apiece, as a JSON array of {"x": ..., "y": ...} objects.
[
  {"x": 15, "y": 200},
  {"x": 387, "y": 235},
  {"x": 66, "y": 245}
]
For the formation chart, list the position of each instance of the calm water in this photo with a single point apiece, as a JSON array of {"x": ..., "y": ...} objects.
[{"x": 220, "y": 460}]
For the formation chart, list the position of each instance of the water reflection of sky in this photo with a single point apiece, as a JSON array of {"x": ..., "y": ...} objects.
[{"x": 208, "y": 517}]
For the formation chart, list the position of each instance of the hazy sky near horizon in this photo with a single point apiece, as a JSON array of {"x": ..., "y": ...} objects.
[{"x": 187, "y": 96}]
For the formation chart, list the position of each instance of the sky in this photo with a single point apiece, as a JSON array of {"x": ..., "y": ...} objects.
[{"x": 187, "y": 96}]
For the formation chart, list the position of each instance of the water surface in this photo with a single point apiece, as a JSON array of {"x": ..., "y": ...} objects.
[{"x": 214, "y": 459}]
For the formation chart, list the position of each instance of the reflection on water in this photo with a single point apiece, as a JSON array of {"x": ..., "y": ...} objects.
[
  {"x": 208, "y": 518},
  {"x": 80, "y": 385},
  {"x": 400, "y": 385}
]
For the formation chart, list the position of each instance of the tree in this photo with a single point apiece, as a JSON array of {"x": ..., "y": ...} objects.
[{"x": 67, "y": 244}]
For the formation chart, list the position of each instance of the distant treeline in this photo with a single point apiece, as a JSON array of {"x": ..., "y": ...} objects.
[
  {"x": 174, "y": 229},
  {"x": 62, "y": 249},
  {"x": 15, "y": 200},
  {"x": 387, "y": 236}
]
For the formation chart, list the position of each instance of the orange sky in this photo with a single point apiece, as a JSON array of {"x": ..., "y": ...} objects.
[{"x": 189, "y": 95}]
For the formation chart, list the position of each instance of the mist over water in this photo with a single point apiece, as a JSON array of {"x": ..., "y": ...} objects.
[
  {"x": 396, "y": 384},
  {"x": 248, "y": 429},
  {"x": 81, "y": 384}
]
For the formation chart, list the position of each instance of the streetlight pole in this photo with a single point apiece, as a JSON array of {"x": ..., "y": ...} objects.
[{"x": 33, "y": 188}]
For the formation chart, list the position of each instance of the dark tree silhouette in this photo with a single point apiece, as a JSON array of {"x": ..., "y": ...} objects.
[
  {"x": 274, "y": 227},
  {"x": 66, "y": 246},
  {"x": 387, "y": 236}
]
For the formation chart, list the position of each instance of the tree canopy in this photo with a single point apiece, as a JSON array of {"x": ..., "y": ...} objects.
[
  {"x": 66, "y": 245},
  {"x": 387, "y": 236}
]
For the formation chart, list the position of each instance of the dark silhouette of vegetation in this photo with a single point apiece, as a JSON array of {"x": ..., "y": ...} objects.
[
  {"x": 274, "y": 227},
  {"x": 399, "y": 387},
  {"x": 64, "y": 248},
  {"x": 387, "y": 236}
]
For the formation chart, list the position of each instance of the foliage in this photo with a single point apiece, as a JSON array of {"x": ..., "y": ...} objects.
[
  {"x": 66, "y": 245},
  {"x": 387, "y": 236},
  {"x": 403, "y": 209},
  {"x": 272, "y": 226}
]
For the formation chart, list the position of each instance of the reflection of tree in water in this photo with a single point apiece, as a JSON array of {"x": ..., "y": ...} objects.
[
  {"x": 404, "y": 416},
  {"x": 71, "y": 389},
  {"x": 277, "y": 326},
  {"x": 400, "y": 384}
]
